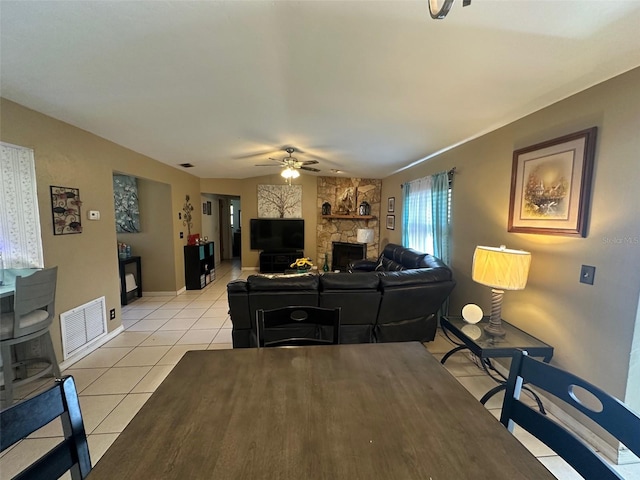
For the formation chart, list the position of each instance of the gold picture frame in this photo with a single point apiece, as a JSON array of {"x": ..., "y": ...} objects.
[{"x": 551, "y": 185}]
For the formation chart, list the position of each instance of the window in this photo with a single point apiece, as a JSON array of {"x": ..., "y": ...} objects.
[
  {"x": 20, "y": 240},
  {"x": 427, "y": 214}
]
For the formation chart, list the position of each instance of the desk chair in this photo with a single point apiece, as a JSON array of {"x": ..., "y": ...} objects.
[
  {"x": 610, "y": 414},
  {"x": 33, "y": 312},
  {"x": 299, "y": 325},
  {"x": 24, "y": 418}
]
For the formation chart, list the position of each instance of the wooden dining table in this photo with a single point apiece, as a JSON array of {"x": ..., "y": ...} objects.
[{"x": 368, "y": 411}]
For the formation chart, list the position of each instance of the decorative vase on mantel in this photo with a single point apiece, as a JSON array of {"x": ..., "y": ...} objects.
[{"x": 325, "y": 267}]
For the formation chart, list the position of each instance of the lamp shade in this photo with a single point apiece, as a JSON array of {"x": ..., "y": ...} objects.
[
  {"x": 501, "y": 267},
  {"x": 364, "y": 235}
]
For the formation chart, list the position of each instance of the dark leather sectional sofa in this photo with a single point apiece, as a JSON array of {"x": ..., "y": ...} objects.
[{"x": 392, "y": 299}]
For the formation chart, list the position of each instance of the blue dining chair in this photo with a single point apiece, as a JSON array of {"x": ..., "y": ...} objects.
[{"x": 32, "y": 315}]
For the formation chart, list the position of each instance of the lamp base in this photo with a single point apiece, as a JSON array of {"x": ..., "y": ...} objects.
[{"x": 494, "y": 328}]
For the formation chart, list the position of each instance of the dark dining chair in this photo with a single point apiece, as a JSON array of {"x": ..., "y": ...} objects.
[
  {"x": 298, "y": 325},
  {"x": 31, "y": 318},
  {"x": 604, "y": 409},
  {"x": 24, "y": 418}
]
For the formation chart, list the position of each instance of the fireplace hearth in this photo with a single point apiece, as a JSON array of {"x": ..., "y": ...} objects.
[{"x": 343, "y": 252}]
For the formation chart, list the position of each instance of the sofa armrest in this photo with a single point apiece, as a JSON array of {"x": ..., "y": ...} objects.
[{"x": 362, "y": 266}]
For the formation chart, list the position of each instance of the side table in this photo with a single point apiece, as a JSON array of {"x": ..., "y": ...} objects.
[
  {"x": 485, "y": 347},
  {"x": 123, "y": 288}
]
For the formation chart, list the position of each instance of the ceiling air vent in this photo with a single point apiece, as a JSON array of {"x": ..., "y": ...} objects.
[{"x": 186, "y": 165}]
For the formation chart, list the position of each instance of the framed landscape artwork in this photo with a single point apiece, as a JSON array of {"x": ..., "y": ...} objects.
[
  {"x": 551, "y": 185},
  {"x": 279, "y": 201}
]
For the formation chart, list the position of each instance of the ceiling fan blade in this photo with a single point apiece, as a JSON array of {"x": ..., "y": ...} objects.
[
  {"x": 310, "y": 169},
  {"x": 251, "y": 155},
  {"x": 309, "y": 162},
  {"x": 267, "y": 165}
]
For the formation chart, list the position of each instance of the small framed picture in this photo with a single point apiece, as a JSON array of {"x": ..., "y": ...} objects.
[
  {"x": 391, "y": 222},
  {"x": 391, "y": 204}
]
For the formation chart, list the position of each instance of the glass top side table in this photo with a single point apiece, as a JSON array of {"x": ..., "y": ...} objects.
[{"x": 485, "y": 347}]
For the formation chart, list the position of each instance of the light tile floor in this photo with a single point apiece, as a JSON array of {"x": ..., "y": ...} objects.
[{"x": 117, "y": 379}]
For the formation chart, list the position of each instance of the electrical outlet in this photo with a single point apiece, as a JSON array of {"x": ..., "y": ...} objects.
[
  {"x": 181, "y": 234},
  {"x": 587, "y": 274},
  {"x": 112, "y": 314}
]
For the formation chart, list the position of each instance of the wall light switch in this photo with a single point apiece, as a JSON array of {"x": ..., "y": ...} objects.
[
  {"x": 93, "y": 215},
  {"x": 587, "y": 274}
]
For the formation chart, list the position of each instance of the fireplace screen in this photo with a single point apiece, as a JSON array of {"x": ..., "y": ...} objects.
[{"x": 343, "y": 253}]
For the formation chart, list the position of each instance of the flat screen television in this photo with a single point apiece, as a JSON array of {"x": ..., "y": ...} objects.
[{"x": 273, "y": 234}]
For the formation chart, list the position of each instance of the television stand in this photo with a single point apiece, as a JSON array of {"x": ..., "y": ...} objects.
[{"x": 277, "y": 261}]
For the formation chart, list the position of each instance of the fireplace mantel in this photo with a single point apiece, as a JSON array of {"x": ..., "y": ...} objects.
[{"x": 350, "y": 217}]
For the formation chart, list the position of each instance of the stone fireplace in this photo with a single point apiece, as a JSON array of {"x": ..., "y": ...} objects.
[{"x": 345, "y": 195}]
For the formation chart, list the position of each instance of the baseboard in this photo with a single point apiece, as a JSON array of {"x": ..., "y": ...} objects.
[
  {"x": 252, "y": 269},
  {"x": 76, "y": 357},
  {"x": 161, "y": 294}
]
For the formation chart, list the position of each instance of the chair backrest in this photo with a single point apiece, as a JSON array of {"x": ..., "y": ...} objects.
[
  {"x": 24, "y": 418},
  {"x": 34, "y": 292},
  {"x": 604, "y": 409},
  {"x": 298, "y": 325}
]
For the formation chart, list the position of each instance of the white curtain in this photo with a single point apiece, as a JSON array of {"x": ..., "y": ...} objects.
[
  {"x": 417, "y": 215},
  {"x": 20, "y": 239}
]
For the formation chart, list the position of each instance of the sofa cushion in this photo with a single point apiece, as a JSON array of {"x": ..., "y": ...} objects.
[
  {"x": 418, "y": 276},
  {"x": 342, "y": 281},
  {"x": 389, "y": 265},
  {"x": 282, "y": 282}
]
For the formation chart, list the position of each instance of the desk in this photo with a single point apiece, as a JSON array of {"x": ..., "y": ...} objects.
[
  {"x": 365, "y": 411},
  {"x": 123, "y": 286},
  {"x": 486, "y": 347}
]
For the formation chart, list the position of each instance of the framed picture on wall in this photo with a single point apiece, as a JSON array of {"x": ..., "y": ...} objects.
[
  {"x": 391, "y": 204},
  {"x": 391, "y": 222},
  {"x": 65, "y": 209},
  {"x": 551, "y": 185}
]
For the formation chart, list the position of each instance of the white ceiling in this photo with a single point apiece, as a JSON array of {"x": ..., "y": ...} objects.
[{"x": 366, "y": 87}]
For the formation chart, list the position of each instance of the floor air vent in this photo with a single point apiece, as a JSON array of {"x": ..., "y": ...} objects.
[{"x": 83, "y": 325}]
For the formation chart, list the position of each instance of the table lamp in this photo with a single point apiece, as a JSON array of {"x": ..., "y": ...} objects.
[
  {"x": 501, "y": 269},
  {"x": 364, "y": 235}
]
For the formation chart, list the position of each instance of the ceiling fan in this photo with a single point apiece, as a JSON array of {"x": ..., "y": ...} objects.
[{"x": 292, "y": 163}]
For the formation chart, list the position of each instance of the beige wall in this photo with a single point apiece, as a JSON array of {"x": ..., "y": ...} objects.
[
  {"x": 67, "y": 156},
  {"x": 247, "y": 190},
  {"x": 154, "y": 241},
  {"x": 591, "y": 327}
]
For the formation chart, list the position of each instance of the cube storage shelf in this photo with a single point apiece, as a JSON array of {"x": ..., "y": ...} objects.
[{"x": 199, "y": 265}]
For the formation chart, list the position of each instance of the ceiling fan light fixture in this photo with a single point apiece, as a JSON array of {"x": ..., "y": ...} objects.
[
  {"x": 439, "y": 8},
  {"x": 290, "y": 172}
]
